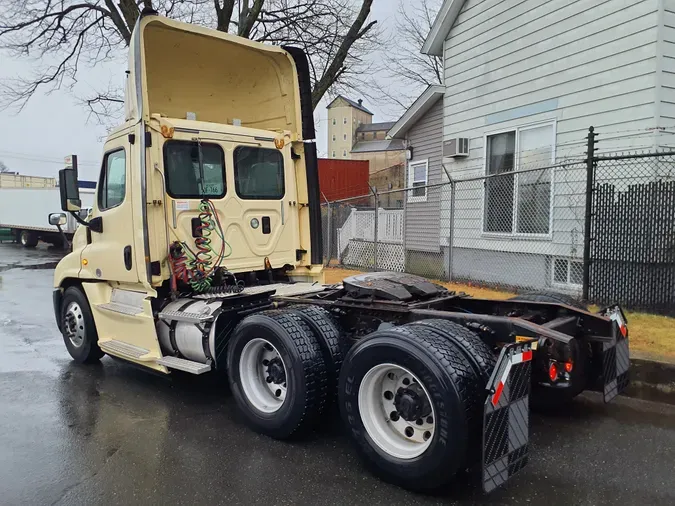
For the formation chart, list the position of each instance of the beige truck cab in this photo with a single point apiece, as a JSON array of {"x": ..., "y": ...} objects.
[{"x": 210, "y": 184}]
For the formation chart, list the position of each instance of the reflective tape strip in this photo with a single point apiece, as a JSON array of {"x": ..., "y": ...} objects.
[{"x": 526, "y": 356}]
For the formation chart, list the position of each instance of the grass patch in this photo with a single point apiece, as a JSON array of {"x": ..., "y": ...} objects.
[{"x": 650, "y": 335}]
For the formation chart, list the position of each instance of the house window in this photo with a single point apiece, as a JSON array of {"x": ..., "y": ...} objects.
[
  {"x": 344, "y": 137},
  {"x": 333, "y": 155},
  {"x": 334, "y": 121},
  {"x": 344, "y": 121},
  {"x": 344, "y": 153},
  {"x": 333, "y": 137},
  {"x": 568, "y": 272},
  {"x": 418, "y": 174},
  {"x": 519, "y": 203}
]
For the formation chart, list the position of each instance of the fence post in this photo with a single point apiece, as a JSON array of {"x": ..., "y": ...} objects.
[
  {"x": 451, "y": 234},
  {"x": 590, "y": 177},
  {"x": 375, "y": 232}
]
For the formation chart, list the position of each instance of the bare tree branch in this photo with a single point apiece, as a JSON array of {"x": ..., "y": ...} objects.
[
  {"x": 403, "y": 62},
  {"x": 334, "y": 34}
]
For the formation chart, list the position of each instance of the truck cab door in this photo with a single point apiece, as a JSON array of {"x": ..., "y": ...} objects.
[{"x": 109, "y": 254}]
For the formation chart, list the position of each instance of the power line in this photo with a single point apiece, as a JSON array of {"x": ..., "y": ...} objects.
[{"x": 42, "y": 159}]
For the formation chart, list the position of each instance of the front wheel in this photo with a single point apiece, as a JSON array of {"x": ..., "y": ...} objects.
[
  {"x": 407, "y": 397},
  {"x": 78, "y": 327}
]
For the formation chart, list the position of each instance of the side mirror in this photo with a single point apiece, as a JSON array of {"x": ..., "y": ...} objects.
[
  {"x": 57, "y": 219},
  {"x": 70, "y": 193}
]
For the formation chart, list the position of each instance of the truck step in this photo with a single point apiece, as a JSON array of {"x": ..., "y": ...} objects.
[
  {"x": 125, "y": 302},
  {"x": 182, "y": 316},
  {"x": 124, "y": 350},
  {"x": 184, "y": 365}
]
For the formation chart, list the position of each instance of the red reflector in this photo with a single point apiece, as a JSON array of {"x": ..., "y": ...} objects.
[
  {"x": 527, "y": 356},
  {"x": 553, "y": 372},
  {"x": 569, "y": 366},
  {"x": 624, "y": 330}
]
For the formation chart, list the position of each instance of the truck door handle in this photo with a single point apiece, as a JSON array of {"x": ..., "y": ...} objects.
[{"x": 127, "y": 257}]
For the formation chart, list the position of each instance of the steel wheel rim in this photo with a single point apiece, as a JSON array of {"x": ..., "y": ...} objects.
[
  {"x": 394, "y": 435},
  {"x": 73, "y": 324},
  {"x": 259, "y": 361}
]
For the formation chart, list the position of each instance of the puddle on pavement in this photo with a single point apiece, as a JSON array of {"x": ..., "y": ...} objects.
[{"x": 19, "y": 265}]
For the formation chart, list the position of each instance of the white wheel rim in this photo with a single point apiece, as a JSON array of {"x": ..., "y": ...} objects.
[
  {"x": 259, "y": 361},
  {"x": 393, "y": 434},
  {"x": 73, "y": 324}
]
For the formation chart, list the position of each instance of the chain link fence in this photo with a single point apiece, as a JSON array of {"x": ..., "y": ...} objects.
[{"x": 600, "y": 227}]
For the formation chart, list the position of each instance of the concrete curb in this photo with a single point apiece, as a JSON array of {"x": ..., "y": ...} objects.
[{"x": 652, "y": 381}]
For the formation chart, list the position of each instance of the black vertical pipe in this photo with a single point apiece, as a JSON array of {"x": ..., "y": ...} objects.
[
  {"x": 311, "y": 160},
  {"x": 590, "y": 164}
]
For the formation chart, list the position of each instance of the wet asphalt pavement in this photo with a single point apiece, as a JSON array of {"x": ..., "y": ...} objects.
[{"x": 112, "y": 434}]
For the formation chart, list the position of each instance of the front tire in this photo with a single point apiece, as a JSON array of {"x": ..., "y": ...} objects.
[
  {"x": 277, "y": 373},
  {"x": 417, "y": 456},
  {"x": 79, "y": 329}
]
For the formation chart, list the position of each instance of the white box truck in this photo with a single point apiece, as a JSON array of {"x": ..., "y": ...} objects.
[{"x": 25, "y": 211}]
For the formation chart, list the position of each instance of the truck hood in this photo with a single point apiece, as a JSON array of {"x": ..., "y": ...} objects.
[{"x": 178, "y": 69}]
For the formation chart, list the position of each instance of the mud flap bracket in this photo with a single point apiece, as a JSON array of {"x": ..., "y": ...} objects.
[{"x": 506, "y": 415}]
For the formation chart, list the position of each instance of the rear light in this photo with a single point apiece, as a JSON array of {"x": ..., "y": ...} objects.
[
  {"x": 569, "y": 366},
  {"x": 553, "y": 372}
]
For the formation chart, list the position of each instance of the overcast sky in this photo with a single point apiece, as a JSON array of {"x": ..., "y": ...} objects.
[{"x": 35, "y": 140}]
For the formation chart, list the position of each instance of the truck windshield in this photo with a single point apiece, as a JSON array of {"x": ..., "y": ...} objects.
[{"x": 191, "y": 174}]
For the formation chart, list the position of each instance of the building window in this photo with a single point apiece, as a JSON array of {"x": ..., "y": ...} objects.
[
  {"x": 344, "y": 153},
  {"x": 333, "y": 155},
  {"x": 334, "y": 121},
  {"x": 333, "y": 137},
  {"x": 344, "y": 121},
  {"x": 568, "y": 272},
  {"x": 418, "y": 174},
  {"x": 344, "y": 137},
  {"x": 519, "y": 203}
]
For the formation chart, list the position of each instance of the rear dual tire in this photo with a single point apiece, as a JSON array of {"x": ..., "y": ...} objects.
[
  {"x": 277, "y": 373},
  {"x": 453, "y": 388}
]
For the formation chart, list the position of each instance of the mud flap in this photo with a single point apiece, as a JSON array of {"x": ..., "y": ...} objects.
[
  {"x": 615, "y": 355},
  {"x": 506, "y": 415}
]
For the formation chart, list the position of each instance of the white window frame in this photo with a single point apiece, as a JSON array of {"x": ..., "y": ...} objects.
[
  {"x": 333, "y": 137},
  {"x": 333, "y": 154},
  {"x": 514, "y": 224},
  {"x": 411, "y": 180},
  {"x": 568, "y": 283},
  {"x": 334, "y": 122},
  {"x": 344, "y": 120},
  {"x": 344, "y": 153},
  {"x": 344, "y": 137}
]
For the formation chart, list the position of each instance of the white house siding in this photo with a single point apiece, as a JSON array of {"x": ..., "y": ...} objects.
[
  {"x": 515, "y": 63},
  {"x": 422, "y": 224},
  {"x": 666, "y": 94}
]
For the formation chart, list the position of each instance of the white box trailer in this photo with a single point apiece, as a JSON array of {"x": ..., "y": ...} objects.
[{"x": 25, "y": 211}]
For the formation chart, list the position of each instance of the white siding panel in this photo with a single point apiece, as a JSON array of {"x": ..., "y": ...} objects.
[
  {"x": 561, "y": 40},
  {"x": 422, "y": 224},
  {"x": 576, "y": 62}
]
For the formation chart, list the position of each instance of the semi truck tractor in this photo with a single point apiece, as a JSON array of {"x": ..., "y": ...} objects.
[{"x": 202, "y": 254}]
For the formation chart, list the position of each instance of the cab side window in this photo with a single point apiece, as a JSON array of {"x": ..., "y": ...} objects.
[
  {"x": 259, "y": 173},
  {"x": 112, "y": 187}
]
